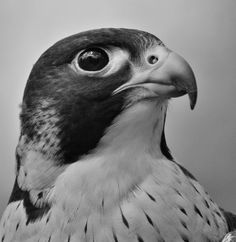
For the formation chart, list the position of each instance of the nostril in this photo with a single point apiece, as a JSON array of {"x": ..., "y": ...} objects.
[{"x": 152, "y": 59}]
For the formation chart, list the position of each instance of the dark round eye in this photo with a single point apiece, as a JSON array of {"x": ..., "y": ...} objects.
[
  {"x": 152, "y": 59},
  {"x": 93, "y": 59}
]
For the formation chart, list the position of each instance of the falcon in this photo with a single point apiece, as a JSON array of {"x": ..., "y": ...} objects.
[{"x": 92, "y": 163}]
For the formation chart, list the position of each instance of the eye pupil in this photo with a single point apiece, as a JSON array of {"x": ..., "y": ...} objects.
[{"x": 93, "y": 59}]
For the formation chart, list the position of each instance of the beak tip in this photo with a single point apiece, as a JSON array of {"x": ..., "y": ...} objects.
[{"x": 193, "y": 99}]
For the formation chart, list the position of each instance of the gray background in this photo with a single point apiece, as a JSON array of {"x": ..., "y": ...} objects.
[{"x": 203, "y": 31}]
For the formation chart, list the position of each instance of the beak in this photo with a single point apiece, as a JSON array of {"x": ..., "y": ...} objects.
[{"x": 170, "y": 76}]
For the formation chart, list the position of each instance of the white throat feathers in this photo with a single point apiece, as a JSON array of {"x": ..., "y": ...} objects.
[{"x": 122, "y": 160}]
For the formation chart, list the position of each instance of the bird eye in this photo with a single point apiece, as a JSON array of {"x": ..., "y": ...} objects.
[{"x": 93, "y": 59}]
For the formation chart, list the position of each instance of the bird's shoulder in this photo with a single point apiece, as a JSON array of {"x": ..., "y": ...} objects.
[{"x": 230, "y": 219}]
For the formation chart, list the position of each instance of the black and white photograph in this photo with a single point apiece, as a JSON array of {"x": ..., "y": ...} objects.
[{"x": 118, "y": 121}]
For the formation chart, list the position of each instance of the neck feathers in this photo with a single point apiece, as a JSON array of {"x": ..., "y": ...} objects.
[
  {"x": 139, "y": 126},
  {"x": 123, "y": 158}
]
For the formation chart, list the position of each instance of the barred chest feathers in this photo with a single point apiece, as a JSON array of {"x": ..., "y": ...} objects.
[{"x": 128, "y": 191}]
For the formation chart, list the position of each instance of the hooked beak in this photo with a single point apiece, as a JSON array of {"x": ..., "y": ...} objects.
[{"x": 170, "y": 76}]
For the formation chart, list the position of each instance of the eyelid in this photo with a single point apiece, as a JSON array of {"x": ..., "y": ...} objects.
[{"x": 107, "y": 50}]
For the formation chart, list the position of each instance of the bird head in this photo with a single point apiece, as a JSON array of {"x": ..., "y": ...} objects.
[{"x": 88, "y": 84}]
